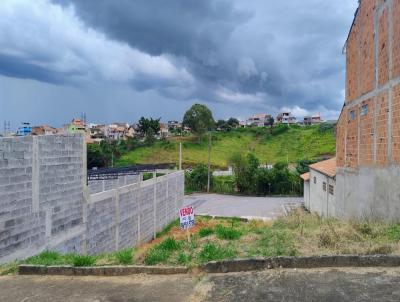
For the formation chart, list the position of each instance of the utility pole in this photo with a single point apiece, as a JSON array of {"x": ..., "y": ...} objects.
[
  {"x": 180, "y": 155},
  {"x": 209, "y": 162}
]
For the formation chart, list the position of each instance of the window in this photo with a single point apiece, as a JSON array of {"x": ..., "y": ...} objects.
[
  {"x": 324, "y": 186},
  {"x": 364, "y": 110},
  {"x": 352, "y": 115},
  {"x": 331, "y": 189},
  {"x": 315, "y": 180}
]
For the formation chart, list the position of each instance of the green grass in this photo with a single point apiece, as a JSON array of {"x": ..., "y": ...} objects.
[
  {"x": 212, "y": 251},
  {"x": 125, "y": 256},
  {"x": 293, "y": 144},
  {"x": 84, "y": 260},
  {"x": 204, "y": 232},
  {"x": 227, "y": 233},
  {"x": 162, "y": 251}
]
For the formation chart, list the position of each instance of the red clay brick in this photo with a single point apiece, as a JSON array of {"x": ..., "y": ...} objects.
[
  {"x": 382, "y": 115},
  {"x": 341, "y": 139},
  {"x": 352, "y": 137},
  {"x": 396, "y": 39},
  {"x": 383, "y": 48},
  {"x": 396, "y": 124},
  {"x": 366, "y": 156}
]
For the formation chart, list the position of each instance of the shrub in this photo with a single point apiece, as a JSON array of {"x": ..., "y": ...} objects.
[
  {"x": 227, "y": 233},
  {"x": 124, "y": 256},
  {"x": 197, "y": 179},
  {"x": 162, "y": 251},
  {"x": 223, "y": 184},
  {"x": 212, "y": 251},
  {"x": 45, "y": 258},
  {"x": 393, "y": 232},
  {"x": 204, "y": 232},
  {"x": 84, "y": 260}
]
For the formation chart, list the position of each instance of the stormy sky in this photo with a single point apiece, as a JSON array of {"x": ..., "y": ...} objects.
[{"x": 119, "y": 60}]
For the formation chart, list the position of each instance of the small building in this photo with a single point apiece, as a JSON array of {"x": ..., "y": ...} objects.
[
  {"x": 164, "y": 130},
  {"x": 77, "y": 126},
  {"x": 312, "y": 120},
  {"x": 174, "y": 125},
  {"x": 285, "y": 118},
  {"x": 319, "y": 188},
  {"x": 43, "y": 130},
  {"x": 258, "y": 120},
  {"x": 24, "y": 130}
]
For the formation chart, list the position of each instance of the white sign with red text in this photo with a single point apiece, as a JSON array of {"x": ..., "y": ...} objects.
[{"x": 186, "y": 217}]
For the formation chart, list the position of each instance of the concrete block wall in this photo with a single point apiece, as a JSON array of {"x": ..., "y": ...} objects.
[
  {"x": 129, "y": 215},
  {"x": 98, "y": 186},
  {"x": 41, "y": 192},
  {"x": 45, "y": 202}
]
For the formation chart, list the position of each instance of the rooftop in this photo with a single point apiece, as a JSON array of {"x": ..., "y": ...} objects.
[{"x": 327, "y": 167}]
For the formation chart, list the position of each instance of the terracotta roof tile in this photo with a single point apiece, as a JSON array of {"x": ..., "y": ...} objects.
[
  {"x": 305, "y": 176},
  {"x": 327, "y": 167}
]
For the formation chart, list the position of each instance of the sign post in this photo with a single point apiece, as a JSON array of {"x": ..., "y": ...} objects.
[{"x": 186, "y": 218}]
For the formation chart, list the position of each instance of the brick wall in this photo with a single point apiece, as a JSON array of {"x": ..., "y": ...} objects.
[
  {"x": 396, "y": 124},
  {"x": 373, "y": 73},
  {"x": 382, "y": 128},
  {"x": 366, "y": 146},
  {"x": 352, "y": 137}
]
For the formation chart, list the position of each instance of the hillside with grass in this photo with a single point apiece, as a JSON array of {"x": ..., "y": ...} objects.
[{"x": 283, "y": 144}]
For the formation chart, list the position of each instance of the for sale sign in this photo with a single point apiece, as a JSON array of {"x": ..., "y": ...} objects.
[{"x": 186, "y": 216}]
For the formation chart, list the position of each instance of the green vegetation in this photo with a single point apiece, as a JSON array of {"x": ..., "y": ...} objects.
[
  {"x": 198, "y": 118},
  {"x": 162, "y": 251},
  {"x": 249, "y": 178},
  {"x": 212, "y": 252},
  {"x": 284, "y": 144},
  {"x": 299, "y": 234},
  {"x": 227, "y": 233},
  {"x": 204, "y": 232}
]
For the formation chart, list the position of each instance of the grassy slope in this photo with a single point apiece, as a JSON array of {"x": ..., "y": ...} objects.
[{"x": 294, "y": 144}]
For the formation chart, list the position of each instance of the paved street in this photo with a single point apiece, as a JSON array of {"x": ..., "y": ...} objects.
[
  {"x": 266, "y": 208},
  {"x": 358, "y": 284}
]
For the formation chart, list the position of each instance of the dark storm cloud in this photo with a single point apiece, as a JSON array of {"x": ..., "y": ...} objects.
[
  {"x": 242, "y": 56},
  {"x": 287, "y": 51}
]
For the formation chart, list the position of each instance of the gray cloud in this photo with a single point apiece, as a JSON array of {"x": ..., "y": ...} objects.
[{"x": 261, "y": 55}]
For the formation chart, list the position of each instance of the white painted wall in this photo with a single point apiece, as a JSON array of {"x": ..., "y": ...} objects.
[
  {"x": 320, "y": 201},
  {"x": 307, "y": 194}
]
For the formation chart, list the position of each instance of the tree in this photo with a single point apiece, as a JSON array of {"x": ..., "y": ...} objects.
[
  {"x": 233, "y": 122},
  {"x": 199, "y": 119},
  {"x": 245, "y": 169},
  {"x": 270, "y": 123},
  {"x": 149, "y": 126}
]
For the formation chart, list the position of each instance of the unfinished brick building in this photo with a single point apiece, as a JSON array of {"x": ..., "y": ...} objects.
[{"x": 368, "y": 131}]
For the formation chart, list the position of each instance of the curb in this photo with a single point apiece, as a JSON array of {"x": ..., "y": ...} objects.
[
  {"x": 243, "y": 265},
  {"x": 26, "y": 269}
]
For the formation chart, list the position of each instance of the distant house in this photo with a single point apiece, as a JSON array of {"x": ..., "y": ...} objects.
[
  {"x": 174, "y": 125},
  {"x": 117, "y": 131},
  {"x": 258, "y": 120},
  {"x": 76, "y": 126},
  {"x": 43, "y": 130},
  {"x": 319, "y": 188},
  {"x": 24, "y": 130},
  {"x": 312, "y": 120},
  {"x": 285, "y": 118},
  {"x": 164, "y": 132}
]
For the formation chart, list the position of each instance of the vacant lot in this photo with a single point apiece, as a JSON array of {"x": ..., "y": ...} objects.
[
  {"x": 284, "y": 144},
  {"x": 215, "y": 239}
]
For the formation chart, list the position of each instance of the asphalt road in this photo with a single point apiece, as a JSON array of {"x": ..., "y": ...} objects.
[
  {"x": 358, "y": 284},
  {"x": 265, "y": 208}
]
